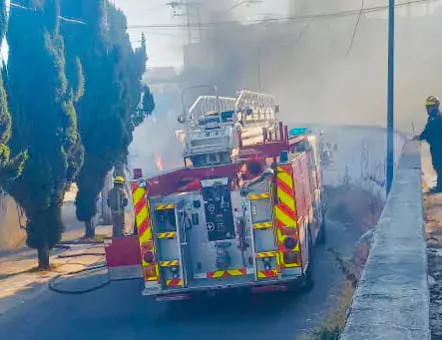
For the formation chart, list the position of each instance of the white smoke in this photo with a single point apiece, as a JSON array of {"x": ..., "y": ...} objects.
[
  {"x": 155, "y": 139},
  {"x": 317, "y": 73}
]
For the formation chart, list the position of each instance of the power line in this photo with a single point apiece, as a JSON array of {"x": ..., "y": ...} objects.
[
  {"x": 355, "y": 29},
  {"x": 337, "y": 14},
  {"x": 13, "y": 4},
  {"x": 73, "y": 21},
  {"x": 62, "y": 18}
]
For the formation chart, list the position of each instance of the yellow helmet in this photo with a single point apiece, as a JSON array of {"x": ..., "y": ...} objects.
[
  {"x": 118, "y": 180},
  {"x": 432, "y": 101}
]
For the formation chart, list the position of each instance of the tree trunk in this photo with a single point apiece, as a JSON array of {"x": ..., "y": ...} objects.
[
  {"x": 43, "y": 257},
  {"x": 90, "y": 229}
]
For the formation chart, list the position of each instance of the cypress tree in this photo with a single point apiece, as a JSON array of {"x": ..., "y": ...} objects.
[
  {"x": 10, "y": 167},
  {"x": 113, "y": 90},
  {"x": 44, "y": 120}
]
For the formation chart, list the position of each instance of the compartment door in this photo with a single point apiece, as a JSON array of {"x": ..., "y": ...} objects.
[
  {"x": 123, "y": 258},
  {"x": 218, "y": 209}
]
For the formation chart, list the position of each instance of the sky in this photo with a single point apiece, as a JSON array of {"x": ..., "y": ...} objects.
[{"x": 165, "y": 45}]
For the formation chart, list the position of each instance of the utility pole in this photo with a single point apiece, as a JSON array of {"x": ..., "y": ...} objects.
[
  {"x": 188, "y": 5},
  {"x": 259, "y": 66},
  {"x": 390, "y": 100},
  {"x": 175, "y": 4},
  {"x": 200, "y": 29},
  {"x": 189, "y": 33}
]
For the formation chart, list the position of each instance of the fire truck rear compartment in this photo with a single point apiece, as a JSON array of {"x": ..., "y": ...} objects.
[
  {"x": 215, "y": 250},
  {"x": 214, "y": 247}
]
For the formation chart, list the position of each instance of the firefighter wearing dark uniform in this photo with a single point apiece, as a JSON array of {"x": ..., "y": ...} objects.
[
  {"x": 117, "y": 201},
  {"x": 432, "y": 134}
]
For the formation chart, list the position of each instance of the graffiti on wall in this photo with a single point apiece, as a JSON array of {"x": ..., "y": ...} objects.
[
  {"x": 373, "y": 169},
  {"x": 327, "y": 151}
]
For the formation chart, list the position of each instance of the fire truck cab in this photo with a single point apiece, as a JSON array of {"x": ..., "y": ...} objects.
[{"x": 247, "y": 219}]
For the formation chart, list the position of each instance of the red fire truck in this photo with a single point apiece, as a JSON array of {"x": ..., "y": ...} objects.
[{"x": 244, "y": 212}]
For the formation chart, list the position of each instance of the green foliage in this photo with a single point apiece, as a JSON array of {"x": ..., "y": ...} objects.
[
  {"x": 10, "y": 168},
  {"x": 44, "y": 119},
  {"x": 145, "y": 109},
  {"x": 112, "y": 81},
  {"x": 3, "y": 18}
]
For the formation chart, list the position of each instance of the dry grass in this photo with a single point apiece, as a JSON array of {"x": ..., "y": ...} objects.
[
  {"x": 360, "y": 210},
  {"x": 354, "y": 206},
  {"x": 100, "y": 237},
  {"x": 334, "y": 322},
  {"x": 433, "y": 227}
]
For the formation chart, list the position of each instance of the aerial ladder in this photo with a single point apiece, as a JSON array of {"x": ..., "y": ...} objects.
[{"x": 216, "y": 128}]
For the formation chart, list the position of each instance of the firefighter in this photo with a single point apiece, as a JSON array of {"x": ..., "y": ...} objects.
[
  {"x": 117, "y": 201},
  {"x": 432, "y": 134}
]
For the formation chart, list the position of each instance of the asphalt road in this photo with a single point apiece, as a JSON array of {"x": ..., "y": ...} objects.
[{"x": 118, "y": 311}]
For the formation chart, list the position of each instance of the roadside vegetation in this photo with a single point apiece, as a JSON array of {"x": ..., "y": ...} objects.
[
  {"x": 360, "y": 211},
  {"x": 70, "y": 98}
]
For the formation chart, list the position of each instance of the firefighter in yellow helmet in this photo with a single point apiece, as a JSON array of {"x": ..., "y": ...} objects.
[
  {"x": 117, "y": 201},
  {"x": 432, "y": 134}
]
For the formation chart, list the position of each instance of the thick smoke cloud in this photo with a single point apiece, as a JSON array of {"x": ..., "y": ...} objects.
[{"x": 309, "y": 66}]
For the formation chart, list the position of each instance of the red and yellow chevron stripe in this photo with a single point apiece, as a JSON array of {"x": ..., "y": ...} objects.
[
  {"x": 218, "y": 274},
  {"x": 285, "y": 212},
  {"x": 142, "y": 219},
  {"x": 172, "y": 283},
  {"x": 169, "y": 263},
  {"x": 264, "y": 254},
  {"x": 264, "y": 274},
  {"x": 164, "y": 206},
  {"x": 285, "y": 209},
  {"x": 170, "y": 234},
  {"x": 260, "y": 196},
  {"x": 263, "y": 225}
]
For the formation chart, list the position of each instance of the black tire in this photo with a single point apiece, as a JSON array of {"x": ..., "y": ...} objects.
[
  {"x": 322, "y": 236},
  {"x": 309, "y": 281}
]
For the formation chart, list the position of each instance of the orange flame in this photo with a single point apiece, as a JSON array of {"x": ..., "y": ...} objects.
[{"x": 159, "y": 162}]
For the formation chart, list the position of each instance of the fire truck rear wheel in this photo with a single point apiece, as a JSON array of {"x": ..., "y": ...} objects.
[
  {"x": 309, "y": 282},
  {"x": 321, "y": 239}
]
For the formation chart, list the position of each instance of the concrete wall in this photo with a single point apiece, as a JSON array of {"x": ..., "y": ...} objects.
[
  {"x": 359, "y": 156},
  {"x": 392, "y": 299},
  {"x": 11, "y": 218}
]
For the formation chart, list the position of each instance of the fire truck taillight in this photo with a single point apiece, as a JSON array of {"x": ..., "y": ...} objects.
[
  {"x": 149, "y": 257},
  {"x": 151, "y": 271},
  {"x": 148, "y": 245},
  {"x": 290, "y": 243},
  {"x": 291, "y": 257},
  {"x": 289, "y": 231}
]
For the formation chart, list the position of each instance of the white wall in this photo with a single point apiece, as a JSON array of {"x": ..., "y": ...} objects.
[{"x": 360, "y": 156}]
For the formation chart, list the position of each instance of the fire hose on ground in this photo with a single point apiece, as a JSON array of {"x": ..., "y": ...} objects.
[{"x": 53, "y": 282}]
